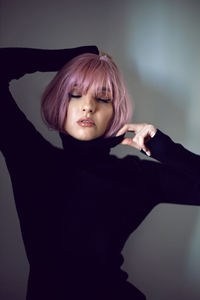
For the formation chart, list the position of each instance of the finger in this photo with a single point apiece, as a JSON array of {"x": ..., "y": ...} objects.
[
  {"x": 131, "y": 128},
  {"x": 123, "y": 130},
  {"x": 147, "y": 151},
  {"x": 130, "y": 142},
  {"x": 139, "y": 139},
  {"x": 141, "y": 143},
  {"x": 137, "y": 128},
  {"x": 151, "y": 130},
  {"x": 144, "y": 135}
]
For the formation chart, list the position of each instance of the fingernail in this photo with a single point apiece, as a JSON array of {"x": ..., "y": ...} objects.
[{"x": 147, "y": 152}]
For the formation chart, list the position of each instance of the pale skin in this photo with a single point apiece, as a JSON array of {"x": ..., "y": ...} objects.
[
  {"x": 94, "y": 111},
  {"x": 99, "y": 109}
]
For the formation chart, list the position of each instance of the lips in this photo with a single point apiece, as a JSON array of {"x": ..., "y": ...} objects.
[{"x": 86, "y": 122}]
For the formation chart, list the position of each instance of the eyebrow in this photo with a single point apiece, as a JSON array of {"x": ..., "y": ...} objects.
[{"x": 104, "y": 89}]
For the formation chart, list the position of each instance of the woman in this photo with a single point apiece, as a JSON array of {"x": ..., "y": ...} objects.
[{"x": 78, "y": 205}]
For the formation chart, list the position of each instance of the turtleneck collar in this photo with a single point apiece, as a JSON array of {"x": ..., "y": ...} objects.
[{"x": 96, "y": 149}]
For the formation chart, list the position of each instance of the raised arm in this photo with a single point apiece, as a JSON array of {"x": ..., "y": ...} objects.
[
  {"x": 154, "y": 143},
  {"x": 176, "y": 177},
  {"x": 16, "y": 132},
  {"x": 165, "y": 150},
  {"x": 16, "y": 62},
  {"x": 179, "y": 172}
]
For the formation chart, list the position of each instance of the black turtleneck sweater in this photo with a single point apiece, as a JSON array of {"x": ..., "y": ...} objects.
[{"x": 78, "y": 205}]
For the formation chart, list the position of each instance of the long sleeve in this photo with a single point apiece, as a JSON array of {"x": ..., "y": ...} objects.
[
  {"x": 15, "y": 130},
  {"x": 16, "y": 62},
  {"x": 177, "y": 176},
  {"x": 173, "y": 154}
]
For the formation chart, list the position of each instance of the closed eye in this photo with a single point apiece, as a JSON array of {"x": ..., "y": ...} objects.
[
  {"x": 104, "y": 100},
  {"x": 98, "y": 99},
  {"x": 75, "y": 96}
]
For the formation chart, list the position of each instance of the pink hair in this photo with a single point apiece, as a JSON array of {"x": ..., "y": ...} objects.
[{"x": 87, "y": 71}]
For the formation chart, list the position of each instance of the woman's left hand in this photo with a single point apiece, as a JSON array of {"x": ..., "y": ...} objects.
[{"x": 143, "y": 133}]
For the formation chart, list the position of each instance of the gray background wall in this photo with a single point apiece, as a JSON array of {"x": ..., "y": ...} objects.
[{"x": 157, "y": 46}]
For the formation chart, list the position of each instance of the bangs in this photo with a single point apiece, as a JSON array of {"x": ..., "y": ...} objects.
[
  {"x": 101, "y": 76},
  {"x": 93, "y": 76}
]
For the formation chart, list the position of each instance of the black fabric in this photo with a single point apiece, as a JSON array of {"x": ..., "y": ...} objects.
[{"x": 78, "y": 205}]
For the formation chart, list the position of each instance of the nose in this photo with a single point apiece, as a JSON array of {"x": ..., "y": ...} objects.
[{"x": 88, "y": 104}]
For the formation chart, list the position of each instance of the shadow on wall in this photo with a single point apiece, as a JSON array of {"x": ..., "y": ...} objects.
[{"x": 156, "y": 254}]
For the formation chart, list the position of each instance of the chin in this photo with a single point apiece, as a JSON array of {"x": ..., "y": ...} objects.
[{"x": 84, "y": 137}]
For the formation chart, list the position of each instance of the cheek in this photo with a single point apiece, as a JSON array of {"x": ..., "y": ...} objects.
[
  {"x": 69, "y": 116},
  {"x": 71, "y": 111},
  {"x": 109, "y": 114}
]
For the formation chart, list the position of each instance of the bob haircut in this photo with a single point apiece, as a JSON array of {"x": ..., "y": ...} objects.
[{"x": 86, "y": 71}]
